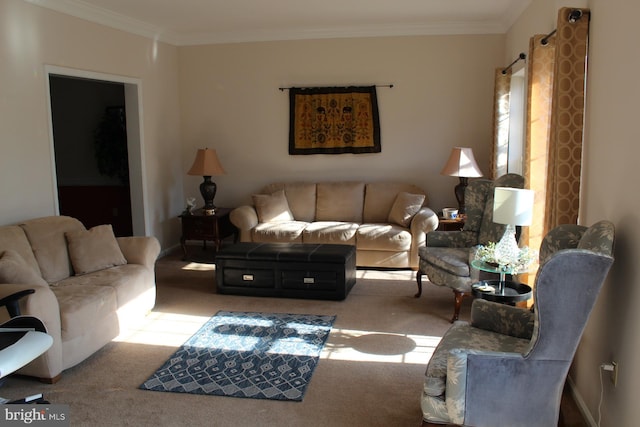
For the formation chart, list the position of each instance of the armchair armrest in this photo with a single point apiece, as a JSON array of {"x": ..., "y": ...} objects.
[
  {"x": 487, "y": 364},
  {"x": 503, "y": 319},
  {"x": 245, "y": 218},
  {"x": 140, "y": 250}
]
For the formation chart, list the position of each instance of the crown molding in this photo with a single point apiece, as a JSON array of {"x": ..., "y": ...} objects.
[{"x": 89, "y": 12}]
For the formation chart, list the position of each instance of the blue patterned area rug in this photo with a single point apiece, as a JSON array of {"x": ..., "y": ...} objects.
[{"x": 255, "y": 355}]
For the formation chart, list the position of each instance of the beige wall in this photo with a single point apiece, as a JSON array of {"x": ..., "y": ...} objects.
[
  {"x": 442, "y": 96},
  {"x": 610, "y": 155},
  {"x": 31, "y": 38}
]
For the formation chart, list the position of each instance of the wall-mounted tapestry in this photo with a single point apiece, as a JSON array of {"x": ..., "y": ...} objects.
[{"x": 334, "y": 120}]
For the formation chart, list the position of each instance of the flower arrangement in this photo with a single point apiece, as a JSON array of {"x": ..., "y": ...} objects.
[{"x": 524, "y": 259}]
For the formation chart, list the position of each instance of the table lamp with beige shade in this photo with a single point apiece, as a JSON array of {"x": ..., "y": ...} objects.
[
  {"x": 206, "y": 165},
  {"x": 462, "y": 164}
]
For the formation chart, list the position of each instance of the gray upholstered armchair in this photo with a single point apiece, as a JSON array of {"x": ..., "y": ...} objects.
[
  {"x": 507, "y": 367},
  {"x": 445, "y": 258}
]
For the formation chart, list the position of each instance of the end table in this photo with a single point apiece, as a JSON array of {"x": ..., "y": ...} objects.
[
  {"x": 198, "y": 226},
  {"x": 450, "y": 224}
]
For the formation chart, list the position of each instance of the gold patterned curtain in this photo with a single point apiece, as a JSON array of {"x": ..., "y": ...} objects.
[
  {"x": 567, "y": 118},
  {"x": 500, "y": 146},
  {"x": 538, "y": 119},
  {"x": 555, "y": 122}
]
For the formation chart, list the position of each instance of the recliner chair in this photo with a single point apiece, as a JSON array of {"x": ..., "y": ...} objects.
[{"x": 446, "y": 257}]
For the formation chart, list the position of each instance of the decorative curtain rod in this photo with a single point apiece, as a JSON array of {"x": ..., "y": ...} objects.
[
  {"x": 282, "y": 89},
  {"x": 522, "y": 56},
  {"x": 574, "y": 16}
]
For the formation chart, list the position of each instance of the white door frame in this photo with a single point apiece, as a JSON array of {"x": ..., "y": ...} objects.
[{"x": 135, "y": 141}]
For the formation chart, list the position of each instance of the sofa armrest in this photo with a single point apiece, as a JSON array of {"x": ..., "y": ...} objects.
[
  {"x": 140, "y": 250},
  {"x": 503, "y": 319},
  {"x": 245, "y": 218},
  {"x": 425, "y": 221},
  {"x": 42, "y": 304}
]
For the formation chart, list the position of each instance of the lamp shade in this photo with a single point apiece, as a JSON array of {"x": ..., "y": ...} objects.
[
  {"x": 206, "y": 164},
  {"x": 513, "y": 206},
  {"x": 461, "y": 163}
]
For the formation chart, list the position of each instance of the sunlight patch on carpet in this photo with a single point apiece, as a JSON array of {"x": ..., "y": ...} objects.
[{"x": 383, "y": 347}]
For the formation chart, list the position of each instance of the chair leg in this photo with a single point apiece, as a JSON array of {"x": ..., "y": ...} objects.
[
  {"x": 458, "y": 296},
  {"x": 419, "y": 275}
]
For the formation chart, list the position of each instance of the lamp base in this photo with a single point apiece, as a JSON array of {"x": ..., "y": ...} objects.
[
  {"x": 208, "y": 190},
  {"x": 459, "y": 191},
  {"x": 507, "y": 250}
]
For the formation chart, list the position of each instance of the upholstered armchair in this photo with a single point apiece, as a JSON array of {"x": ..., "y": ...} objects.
[
  {"x": 446, "y": 257},
  {"x": 507, "y": 367}
]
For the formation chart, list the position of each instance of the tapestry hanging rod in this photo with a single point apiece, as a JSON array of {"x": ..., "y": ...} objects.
[
  {"x": 522, "y": 56},
  {"x": 281, "y": 89},
  {"x": 574, "y": 16}
]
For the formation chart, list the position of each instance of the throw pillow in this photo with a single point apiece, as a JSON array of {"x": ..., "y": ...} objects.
[
  {"x": 272, "y": 207},
  {"x": 405, "y": 207},
  {"x": 94, "y": 249},
  {"x": 15, "y": 270}
]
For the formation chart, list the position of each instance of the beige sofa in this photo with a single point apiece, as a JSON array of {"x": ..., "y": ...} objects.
[
  {"x": 89, "y": 286},
  {"x": 386, "y": 222}
]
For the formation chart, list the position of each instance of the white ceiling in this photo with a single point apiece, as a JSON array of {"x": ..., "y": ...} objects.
[{"x": 190, "y": 22}]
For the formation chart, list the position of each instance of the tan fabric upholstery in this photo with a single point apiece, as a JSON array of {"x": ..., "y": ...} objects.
[
  {"x": 272, "y": 207},
  {"x": 383, "y": 237},
  {"x": 279, "y": 232},
  {"x": 12, "y": 237},
  {"x": 405, "y": 207},
  {"x": 332, "y": 232},
  {"x": 94, "y": 249},
  {"x": 352, "y": 213},
  {"x": 380, "y": 197},
  {"x": 46, "y": 236},
  {"x": 340, "y": 201},
  {"x": 14, "y": 269},
  {"x": 81, "y": 313},
  {"x": 301, "y": 197}
]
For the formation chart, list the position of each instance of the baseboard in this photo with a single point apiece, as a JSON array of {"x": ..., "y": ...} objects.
[
  {"x": 169, "y": 251},
  {"x": 582, "y": 406}
]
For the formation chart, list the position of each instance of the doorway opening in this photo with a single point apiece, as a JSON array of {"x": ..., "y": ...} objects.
[{"x": 96, "y": 149}]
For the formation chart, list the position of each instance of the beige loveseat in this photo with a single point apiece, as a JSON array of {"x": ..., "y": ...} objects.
[
  {"x": 386, "y": 222},
  {"x": 88, "y": 285}
]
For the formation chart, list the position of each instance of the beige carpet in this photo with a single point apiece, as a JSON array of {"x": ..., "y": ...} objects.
[{"x": 370, "y": 373}]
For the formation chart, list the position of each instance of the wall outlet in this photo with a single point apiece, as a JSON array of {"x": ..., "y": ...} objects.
[
  {"x": 614, "y": 374},
  {"x": 613, "y": 368}
]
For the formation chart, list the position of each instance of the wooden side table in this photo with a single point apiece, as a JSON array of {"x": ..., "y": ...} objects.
[
  {"x": 450, "y": 224},
  {"x": 198, "y": 226}
]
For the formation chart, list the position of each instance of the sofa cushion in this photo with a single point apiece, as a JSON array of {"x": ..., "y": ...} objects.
[
  {"x": 274, "y": 232},
  {"x": 13, "y": 237},
  {"x": 383, "y": 237},
  {"x": 301, "y": 197},
  {"x": 340, "y": 201},
  {"x": 94, "y": 249},
  {"x": 83, "y": 305},
  {"x": 272, "y": 207},
  {"x": 49, "y": 245},
  {"x": 379, "y": 198},
  {"x": 405, "y": 207},
  {"x": 335, "y": 232},
  {"x": 14, "y": 269}
]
